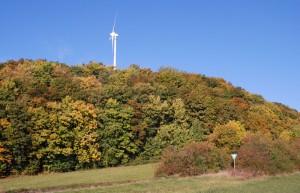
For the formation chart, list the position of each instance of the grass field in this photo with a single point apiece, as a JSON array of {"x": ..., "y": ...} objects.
[
  {"x": 77, "y": 179},
  {"x": 141, "y": 179}
]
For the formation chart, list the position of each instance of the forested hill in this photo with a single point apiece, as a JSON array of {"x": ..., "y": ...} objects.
[{"x": 55, "y": 117}]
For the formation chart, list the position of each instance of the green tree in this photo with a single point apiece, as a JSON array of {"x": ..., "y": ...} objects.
[
  {"x": 15, "y": 135},
  {"x": 167, "y": 135},
  {"x": 202, "y": 106},
  {"x": 156, "y": 113},
  {"x": 172, "y": 132},
  {"x": 8, "y": 93},
  {"x": 5, "y": 155},
  {"x": 117, "y": 140}
]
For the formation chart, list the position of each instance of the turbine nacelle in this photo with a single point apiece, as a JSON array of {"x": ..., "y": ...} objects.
[{"x": 113, "y": 35}]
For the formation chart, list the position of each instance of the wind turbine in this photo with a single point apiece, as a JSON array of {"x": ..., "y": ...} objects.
[{"x": 113, "y": 38}]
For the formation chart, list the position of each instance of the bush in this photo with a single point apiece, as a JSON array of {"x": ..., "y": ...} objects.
[
  {"x": 33, "y": 167},
  {"x": 193, "y": 159},
  {"x": 281, "y": 156},
  {"x": 61, "y": 164},
  {"x": 62, "y": 167},
  {"x": 295, "y": 152},
  {"x": 5, "y": 169},
  {"x": 259, "y": 155},
  {"x": 253, "y": 155}
]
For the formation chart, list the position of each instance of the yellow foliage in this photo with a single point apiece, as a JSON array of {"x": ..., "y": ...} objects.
[
  {"x": 286, "y": 135},
  {"x": 4, "y": 123},
  {"x": 4, "y": 156},
  {"x": 90, "y": 82},
  {"x": 229, "y": 136}
]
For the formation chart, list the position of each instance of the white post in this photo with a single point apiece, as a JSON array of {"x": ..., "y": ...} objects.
[{"x": 233, "y": 164}]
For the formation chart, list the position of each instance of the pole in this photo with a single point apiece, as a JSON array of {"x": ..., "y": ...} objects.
[
  {"x": 233, "y": 164},
  {"x": 115, "y": 52}
]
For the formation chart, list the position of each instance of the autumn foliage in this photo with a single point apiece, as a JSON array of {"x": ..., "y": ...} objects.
[
  {"x": 55, "y": 117},
  {"x": 257, "y": 155},
  {"x": 193, "y": 159},
  {"x": 260, "y": 155},
  {"x": 229, "y": 136}
]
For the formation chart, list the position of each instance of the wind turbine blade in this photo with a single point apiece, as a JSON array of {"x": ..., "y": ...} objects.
[{"x": 115, "y": 22}]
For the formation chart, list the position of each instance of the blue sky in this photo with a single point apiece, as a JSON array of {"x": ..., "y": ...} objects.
[{"x": 254, "y": 44}]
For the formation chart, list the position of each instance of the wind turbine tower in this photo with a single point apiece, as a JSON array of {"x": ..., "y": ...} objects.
[{"x": 113, "y": 37}]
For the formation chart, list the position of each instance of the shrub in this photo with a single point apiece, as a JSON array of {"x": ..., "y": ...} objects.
[
  {"x": 253, "y": 155},
  {"x": 281, "y": 156},
  {"x": 5, "y": 169},
  {"x": 32, "y": 168},
  {"x": 61, "y": 164},
  {"x": 193, "y": 159},
  {"x": 260, "y": 155},
  {"x": 62, "y": 167},
  {"x": 295, "y": 152}
]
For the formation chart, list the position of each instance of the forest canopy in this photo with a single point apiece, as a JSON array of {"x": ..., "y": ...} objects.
[{"x": 55, "y": 117}]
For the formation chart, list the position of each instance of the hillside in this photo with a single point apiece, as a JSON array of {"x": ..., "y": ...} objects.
[{"x": 55, "y": 117}]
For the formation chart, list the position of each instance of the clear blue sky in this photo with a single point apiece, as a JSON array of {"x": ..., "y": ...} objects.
[{"x": 254, "y": 44}]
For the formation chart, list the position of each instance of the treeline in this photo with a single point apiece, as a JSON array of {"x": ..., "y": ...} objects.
[{"x": 55, "y": 117}]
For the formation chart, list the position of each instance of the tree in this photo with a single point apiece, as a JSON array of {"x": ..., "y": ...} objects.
[
  {"x": 117, "y": 140},
  {"x": 55, "y": 117},
  {"x": 8, "y": 93},
  {"x": 5, "y": 156},
  {"x": 201, "y": 106},
  {"x": 167, "y": 135},
  {"x": 228, "y": 136},
  {"x": 261, "y": 118},
  {"x": 156, "y": 113},
  {"x": 66, "y": 135},
  {"x": 15, "y": 135},
  {"x": 173, "y": 131}
]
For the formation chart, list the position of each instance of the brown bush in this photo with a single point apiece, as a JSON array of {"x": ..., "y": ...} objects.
[
  {"x": 260, "y": 155},
  {"x": 253, "y": 154},
  {"x": 295, "y": 152},
  {"x": 193, "y": 159}
]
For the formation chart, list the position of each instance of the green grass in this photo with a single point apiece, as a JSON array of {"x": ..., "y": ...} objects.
[
  {"x": 274, "y": 184},
  {"x": 141, "y": 178},
  {"x": 79, "y": 178},
  {"x": 212, "y": 184}
]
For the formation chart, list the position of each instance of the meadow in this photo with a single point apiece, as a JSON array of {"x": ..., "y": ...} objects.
[{"x": 141, "y": 178}]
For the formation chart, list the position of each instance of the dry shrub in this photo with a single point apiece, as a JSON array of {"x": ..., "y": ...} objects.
[
  {"x": 259, "y": 155},
  {"x": 295, "y": 152},
  {"x": 253, "y": 154},
  {"x": 193, "y": 159}
]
